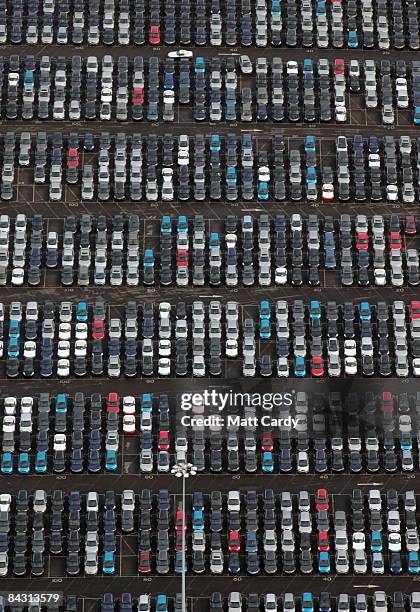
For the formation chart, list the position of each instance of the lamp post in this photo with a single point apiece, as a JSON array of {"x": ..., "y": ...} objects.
[{"x": 184, "y": 471}]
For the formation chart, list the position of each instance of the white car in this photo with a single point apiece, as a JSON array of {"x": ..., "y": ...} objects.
[
  {"x": 231, "y": 348},
  {"x": 1, "y": 348},
  {"x": 10, "y": 404},
  {"x": 280, "y": 276},
  {"x": 380, "y": 277},
  {"x": 164, "y": 348},
  {"x": 129, "y": 423},
  {"x": 180, "y": 53},
  {"x": 5, "y": 500},
  {"x": 63, "y": 349},
  {"x": 29, "y": 349},
  {"x": 63, "y": 368},
  {"x": 350, "y": 348},
  {"x": 9, "y": 424},
  {"x": 64, "y": 331},
  {"x": 341, "y": 114},
  {"x": 327, "y": 192},
  {"x": 359, "y": 541},
  {"x": 350, "y": 366},
  {"x": 164, "y": 366},
  {"x": 302, "y": 463},
  {"x": 26, "y": 404},
  {"x": 17, "y": 277},
  {"x": 129, "y": 405},
  {"x": 231, "y": 240},
  {"x": 282, "y": 367},
  {"x": 394, "y": 542},
  {"x": 416, "y": 366},
  {"x": 146, "y": 421},
  {"x": 80, "y": 348},
  {"x": 392, "y": 193},
  {"x": 59, "y": 442},
  {"x": 81, "y": 331},
  {"x": 264, "y": 174}
]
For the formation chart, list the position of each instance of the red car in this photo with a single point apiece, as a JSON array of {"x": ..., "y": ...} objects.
[
  {"x": 72, "y": 158},
  {"x": 113, "y": 402},
  {"x": 234, "y": 541},
  {"x": 267, "y": 442},
  {"x": 387, "y": 402},
  {"x": 138, "y": 95},
  {"x": 154, "y": 35},
  {"x": 414, "y": 310},
  {"x": 317, "y": 366},
  {"x": 182, "y": 258},
  {"x": 362, "y": 241},
  {"x": 179, "y": 517},
  {"x": 395, "y": 240},
  {"x": 339, "y": 66},
  {"x": 321, "y": 500},
  {"x": 410, "y": 226},
  {"x": 323, "y": 541},
  {"x": 144, "y": 562},
  {"x": 178, "y": 541},
  {"x": 98, "y": 329},
  {"x": 163, "y": 441}
]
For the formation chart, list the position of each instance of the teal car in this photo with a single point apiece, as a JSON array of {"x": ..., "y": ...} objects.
[{"x": 24, "y": 464}]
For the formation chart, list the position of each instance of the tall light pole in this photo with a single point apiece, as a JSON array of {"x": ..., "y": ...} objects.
[{"x": 184, "y": 471}]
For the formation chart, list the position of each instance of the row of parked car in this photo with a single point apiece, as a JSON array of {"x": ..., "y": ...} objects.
[
  {"x": 252, "y": 532},
  {"x": 183, "y": 168},
  {"x": 273, "y": 23},
  {"x": 47, "y": 434},
  {"x": 235, "y": 601},
  {"x": 252, "y": 251},
  {"x": 294, "y": 339},
  {"x": 216, "y": 90}
]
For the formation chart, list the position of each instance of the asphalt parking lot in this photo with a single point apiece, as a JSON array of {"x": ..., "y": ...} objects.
[{"x": 31, "y": 199}]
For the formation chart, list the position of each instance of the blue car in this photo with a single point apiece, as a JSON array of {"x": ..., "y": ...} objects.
[
  {"x": 111, "y": 460},
  {"x": 300, "y": 367},
  {"x": 262, "y": 193},
  {"x": 267, "y": 463},
  {"x": 308, "y": 66},
  {"x": 182, "y": 224},
  {"x": 161, "y": 603},
  {"x": 251, "y": 544},
  {"x": 365, "y": 312},
  {"x": 13, "y": 348},
  {"x": 180, "y": 565},
  {"x": 14, "y": 329},
  {"x": 198, "y": 520},
  {"x": 275, "y": 7},
  {"x": 406, "y": 441},
  {"x": 234, "y": 565},
  {"x": 311, "y": 176},
  {"x": 376, "y": 541},
  {"x": 61, "y": 403},
  {"x": 41, "y": 462},
  {"x": 309, "y": 143},
  {"x": 413, "y": 562},
  {"x": 148, "y": 258},
  {"x": 416, "y": 117},
  {"x": 315, "y": 309},
  {"x": 146, "y": 402},
  {"x": 81, "y": 312},
  {"x": 352, "y": 40},
  {"x": 231, "y": 178},
  {"x": 285, "y": 460},
  {"x": 166, "y": 225},
  {"x": 24, "y": 465},
  {"x": 215, "y": 143},
  {"x": 307, "y": 602},
  {"x": 6, "y": 463},
  {"x": 264, "y": 310},
  {"x": 321, "y": 464},
  {"x": 324, "y": 565},
  {"x": 265, "y": 329},
  {"x": 108, "y": 563},
  {"x": 200, "y": 64}
]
